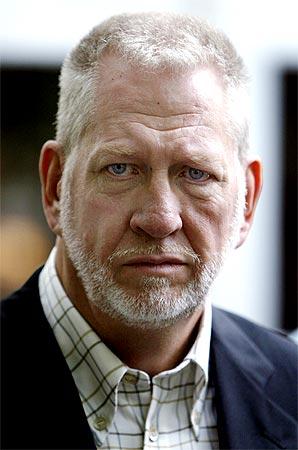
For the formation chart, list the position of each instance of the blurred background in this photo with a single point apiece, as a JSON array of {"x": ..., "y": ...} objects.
[{"x": 260, "y": 280}]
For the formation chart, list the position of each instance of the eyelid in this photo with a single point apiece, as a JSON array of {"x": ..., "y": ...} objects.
[{"x": 207, "y": 175}]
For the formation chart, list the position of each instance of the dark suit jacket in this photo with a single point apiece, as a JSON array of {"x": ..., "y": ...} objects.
[{"x": 254, "y": 371}]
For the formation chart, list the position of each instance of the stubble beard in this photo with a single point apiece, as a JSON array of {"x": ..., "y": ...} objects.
[{"x": 158, "y": 303}]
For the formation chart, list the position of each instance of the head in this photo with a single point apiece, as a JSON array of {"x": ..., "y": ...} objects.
[
  {"x": 149, "y": 183},
  {"x": 154, "y": 43}
]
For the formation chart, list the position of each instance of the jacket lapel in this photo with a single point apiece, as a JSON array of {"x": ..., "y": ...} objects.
[{"x": 248, "y": 418}]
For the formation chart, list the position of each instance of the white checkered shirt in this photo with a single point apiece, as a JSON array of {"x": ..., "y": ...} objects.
[{"x": 125, "y": 408}]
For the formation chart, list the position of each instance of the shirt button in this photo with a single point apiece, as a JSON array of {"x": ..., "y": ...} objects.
[
  {"x": 100, "y": 423},
  {"x": 130, "y": 378},
  {"x": 153, "y": 434}
]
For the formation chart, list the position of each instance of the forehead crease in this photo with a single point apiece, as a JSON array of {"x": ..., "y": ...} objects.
[
  {"x": 191, "y": 127},
  {"x": 203, "y": 147},
  {"x": 155, "y": 107},
  {"x": 183, "y": 111}
]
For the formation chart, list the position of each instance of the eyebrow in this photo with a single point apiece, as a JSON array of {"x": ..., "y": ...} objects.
[
  {"x": 119, "y": 151},
  {"x": 204, "y": 159},
  {"x": 111, "y": 149}
]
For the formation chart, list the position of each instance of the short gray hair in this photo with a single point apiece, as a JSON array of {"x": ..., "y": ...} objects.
[{"x": 151, "y": 42}]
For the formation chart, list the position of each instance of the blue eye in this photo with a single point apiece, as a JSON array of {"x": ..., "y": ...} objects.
[
  {"x": 117, "y": 169},
  {"x": 197, "y": 174}
]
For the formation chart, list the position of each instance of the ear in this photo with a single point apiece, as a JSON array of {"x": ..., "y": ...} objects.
[
  {"x": 50, "y": 171},
  {"x": 254, "y": 181}
]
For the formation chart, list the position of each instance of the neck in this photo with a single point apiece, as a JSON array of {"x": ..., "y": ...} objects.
[{"x": 151, "y": 350}]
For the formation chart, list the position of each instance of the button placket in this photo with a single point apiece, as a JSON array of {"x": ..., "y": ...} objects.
[
  {"x": 195, "y": 421},
  {"x": 152, "y": 432}
]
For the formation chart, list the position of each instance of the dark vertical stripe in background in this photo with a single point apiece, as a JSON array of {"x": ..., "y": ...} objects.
[{"x": 290, "y": 185}]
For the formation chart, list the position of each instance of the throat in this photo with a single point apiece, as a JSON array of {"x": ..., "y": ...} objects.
[{"x": 152, "y": 351}]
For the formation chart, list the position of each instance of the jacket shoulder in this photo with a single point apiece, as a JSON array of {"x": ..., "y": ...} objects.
[
  {"x": 257, "y": 350},
  {"x": 254, "y": 369},
  {"x": 15, "y": 300},
  {"x": 273, "y": 343},
  {"x": 21, "y": 309}
]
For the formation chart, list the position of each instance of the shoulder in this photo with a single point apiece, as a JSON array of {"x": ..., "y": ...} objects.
[
  {"x": 243, "y": 338},
  {"x": 22, "y": 314},
  {"x": 27, "y": 338},
  {"x": 22, "y": 298},
  {"x": 266, "y": 338},
  {"x": 268, "y": 357},
  {"x": 255, "y": 369}
]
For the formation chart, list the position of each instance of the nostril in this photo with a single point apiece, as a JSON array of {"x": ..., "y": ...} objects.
[{"x": 157, "y": 225}]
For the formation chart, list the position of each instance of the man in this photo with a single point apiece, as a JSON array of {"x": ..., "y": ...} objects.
[{"x": 148, "y": 186}]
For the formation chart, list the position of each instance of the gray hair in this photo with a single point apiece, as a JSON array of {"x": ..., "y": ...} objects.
[{"x": 151, "y": 42}]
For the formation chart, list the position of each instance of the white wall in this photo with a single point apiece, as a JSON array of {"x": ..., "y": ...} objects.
[{"x": 266, "y": 34}]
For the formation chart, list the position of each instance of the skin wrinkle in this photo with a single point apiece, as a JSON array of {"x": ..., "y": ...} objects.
[
  {"x": 200, "y": 107},
  {"x": 112, "y": 154},
  {"x": 202, "y": 117},
  {"x": 174, "y": 129},
  {"x": 175, "y": 132},
  {"x": 136, "y": 76},
  {"x": 146, "y": 179}
]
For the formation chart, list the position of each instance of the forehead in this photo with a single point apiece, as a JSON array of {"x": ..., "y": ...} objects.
[
  {"x": 163, "y": 94},
  {"x": 170, "y": 114}
]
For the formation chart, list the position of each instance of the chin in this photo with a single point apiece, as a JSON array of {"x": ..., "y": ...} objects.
[{"x": 155, "y": 305}]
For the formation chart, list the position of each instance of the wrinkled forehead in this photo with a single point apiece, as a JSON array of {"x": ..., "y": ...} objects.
[
  {"x": 162, "y": 101},
  {"x": 121, "y": 85}
]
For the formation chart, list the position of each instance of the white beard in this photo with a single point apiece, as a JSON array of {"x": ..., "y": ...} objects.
[{"x": 158, "y": 303}]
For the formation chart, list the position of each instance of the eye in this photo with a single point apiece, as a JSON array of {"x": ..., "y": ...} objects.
[
  {"x": 122, "y": 170},
  {"x": 117, "y": 169},
  {"x": 196, "y": 174}
]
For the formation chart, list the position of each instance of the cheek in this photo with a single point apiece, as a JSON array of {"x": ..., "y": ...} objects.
[
  {"x": 207, "y": 225},
  {"x": 103, "y": 224}
]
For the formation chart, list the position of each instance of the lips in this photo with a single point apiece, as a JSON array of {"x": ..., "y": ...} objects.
[
  {"x": 175, "y": 267},
  {"x": 156, "y": 265},
  {"x": 154, "y": 260}
]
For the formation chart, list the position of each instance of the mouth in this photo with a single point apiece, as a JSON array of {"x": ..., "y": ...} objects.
[{"x": 155, "y": 264}]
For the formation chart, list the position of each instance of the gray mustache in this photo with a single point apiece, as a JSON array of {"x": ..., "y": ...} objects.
[{"x": 155, "y": 249}]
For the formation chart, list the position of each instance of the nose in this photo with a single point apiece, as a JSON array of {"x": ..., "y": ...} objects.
[{"x": 157, "y": 214}]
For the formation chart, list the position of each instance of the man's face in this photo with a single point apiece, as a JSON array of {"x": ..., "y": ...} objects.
[{"x": 153, "y": 202}]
